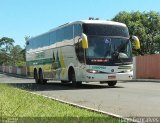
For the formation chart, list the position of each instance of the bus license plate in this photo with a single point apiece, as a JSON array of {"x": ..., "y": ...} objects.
[{"x": 111, "y": 77}]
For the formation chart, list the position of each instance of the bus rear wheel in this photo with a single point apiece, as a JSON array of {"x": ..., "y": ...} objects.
[
  {"x": 64, "y": 81},
  {"x": 112, "y": 83},
  {"x": 36, "y": 77}
]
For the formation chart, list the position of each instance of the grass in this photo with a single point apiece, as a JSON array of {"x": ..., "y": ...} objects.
[{"x": 23, "y": 106}]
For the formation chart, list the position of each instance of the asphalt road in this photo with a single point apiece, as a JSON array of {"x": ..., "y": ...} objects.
[{"x": 128, "y": 99}]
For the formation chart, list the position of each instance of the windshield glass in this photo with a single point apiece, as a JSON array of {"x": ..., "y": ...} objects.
[
  {"x": 104, "y": 47},
  {"x": 105, "y": 30}
]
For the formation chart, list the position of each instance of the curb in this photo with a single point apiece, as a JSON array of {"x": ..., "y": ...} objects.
[
  {"x": 121, "y": 118},
  {"x": 16, "y": 75},
  {"x": 145, "y": 80}
]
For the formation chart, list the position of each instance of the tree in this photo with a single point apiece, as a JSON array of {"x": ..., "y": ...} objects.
[
  {"x": 6, "y": 45},
  {"x": 144, "y": 25},
  {"x": 10, "y": 54},
  {"x": 17, "y": 56}
]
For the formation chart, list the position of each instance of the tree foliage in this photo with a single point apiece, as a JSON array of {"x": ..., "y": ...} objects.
[
  {"x": 145, "y": 25},
  {"x": 6, "y": 45},
  {"x": 10, "y": 54},
  {"x": 17, "y": 56}
]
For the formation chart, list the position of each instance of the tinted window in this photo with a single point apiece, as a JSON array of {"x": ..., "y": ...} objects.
[
  {"x": 79, "y": 51},
  {"x": 52, "y": 37},
  {"x": 41, "y": 41},
  {"x": 77, "y": 30},
  {"x": 105, "y": 30},
  {"x": 60, "y": 35},
  {"x": 78, "y": 45},
  {"x": 45, "y": 40},
  {"x": 68, "y": 32},
  {"x": 33, "y": 43}
]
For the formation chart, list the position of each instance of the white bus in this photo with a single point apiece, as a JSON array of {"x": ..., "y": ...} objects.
[{"x": 82, "y": 51}]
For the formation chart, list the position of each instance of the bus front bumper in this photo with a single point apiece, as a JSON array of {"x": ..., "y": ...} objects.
[{"x": 91, "y": 77}]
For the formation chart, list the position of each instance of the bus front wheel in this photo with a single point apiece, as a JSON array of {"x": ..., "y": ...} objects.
[
  {"x": 73, "y": 79},
  {"x": 112, "y": 83}
]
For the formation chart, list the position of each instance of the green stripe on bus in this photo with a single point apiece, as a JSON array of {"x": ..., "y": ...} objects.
[
  {"x": 40, "y": 62},
  {"x": 124, "y": 67}
]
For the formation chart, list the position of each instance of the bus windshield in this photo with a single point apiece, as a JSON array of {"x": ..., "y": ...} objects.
[
  {"x": 106, "y": 47},
  {"x": 108, "y": 43}
]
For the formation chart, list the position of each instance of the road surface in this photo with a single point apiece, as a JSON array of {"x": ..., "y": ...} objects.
[{"x": 128, "y": 99}]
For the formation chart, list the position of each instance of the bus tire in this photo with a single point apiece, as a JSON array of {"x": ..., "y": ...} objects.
[
  {"x": 36, "y": 76},
  {"x": 64, "y": 81},
  {"x": 41, "y": 79},
  {"x": 73, "y": 79},
  {"x": 112, "y": 83}
]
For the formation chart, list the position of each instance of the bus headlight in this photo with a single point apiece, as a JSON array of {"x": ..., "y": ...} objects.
[
  {"x": 92, "y": 71},
  {"x": 129, "y": 70}
]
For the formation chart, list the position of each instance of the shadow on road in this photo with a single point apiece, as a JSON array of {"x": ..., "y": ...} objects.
[{"x": 58, "y": 86}]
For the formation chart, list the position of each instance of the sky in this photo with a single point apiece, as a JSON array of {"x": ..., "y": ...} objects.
[{"x": 20, "y": 18}]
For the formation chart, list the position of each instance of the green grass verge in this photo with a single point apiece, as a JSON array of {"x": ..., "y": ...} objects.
[{"x": 23, "y": 106}]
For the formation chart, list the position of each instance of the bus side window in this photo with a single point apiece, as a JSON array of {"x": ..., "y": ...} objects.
[
  {"x": 52, "y": 37},
  {"x": 68, "y": 32},
  {"x": 77, "y": 30},
  {"x": 78, "y": 44},
  {"x": 59, "y": 35}
]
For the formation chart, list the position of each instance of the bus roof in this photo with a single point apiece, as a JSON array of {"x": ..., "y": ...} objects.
[
  {"x": 90, "y": 22},
  {"x": 101, "y": 22},
  {"x": 83, "y": 22}
]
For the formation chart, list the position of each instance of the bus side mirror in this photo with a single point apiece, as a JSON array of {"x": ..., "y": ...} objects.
[
  {"x": 84, "y": 41},
  {"x": 136, "y": 42}
]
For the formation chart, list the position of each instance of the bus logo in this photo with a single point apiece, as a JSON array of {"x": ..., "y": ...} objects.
[{"x": 98, "y": 67}]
